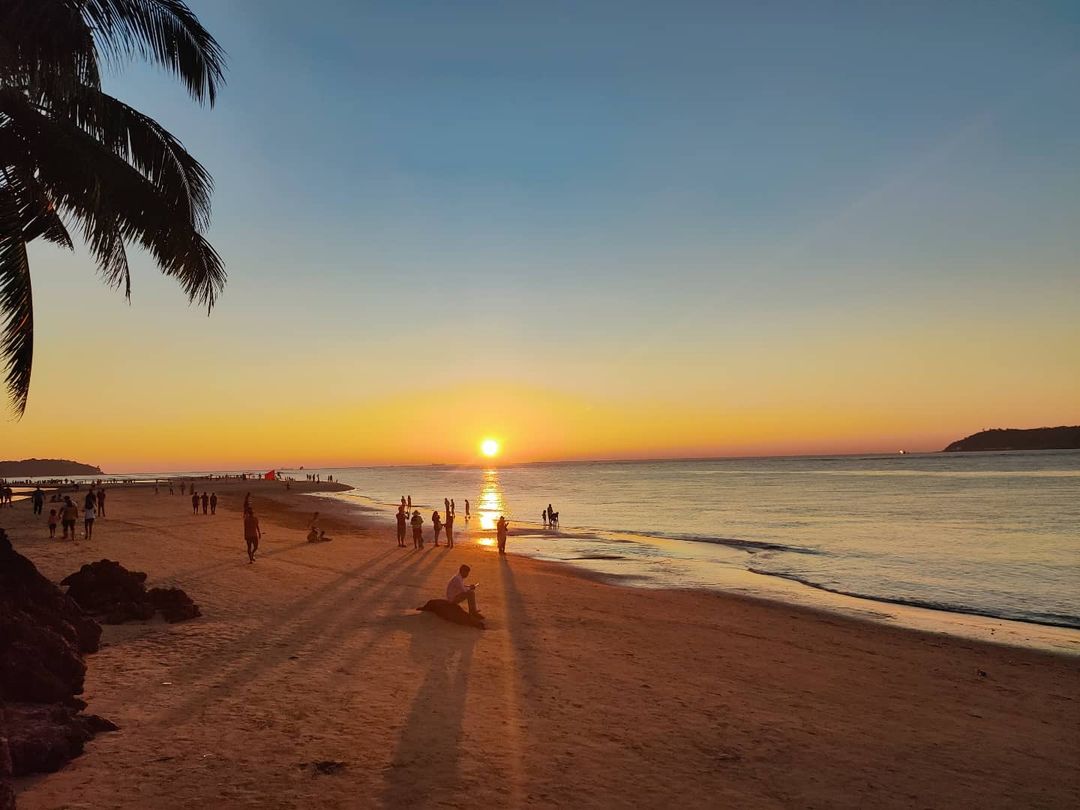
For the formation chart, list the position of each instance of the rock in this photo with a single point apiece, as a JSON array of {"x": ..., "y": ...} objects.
[
  {"x": 43, "y": 738},
  {"x": 174, "y": 604},
  {"x": 106, "y": 588},
  {"x": 109, "y": 590},
  {"x": 43, "y": 636}
]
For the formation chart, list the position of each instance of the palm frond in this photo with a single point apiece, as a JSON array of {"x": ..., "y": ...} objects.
[
  {"x": 154, "y": 151},
  {"x": 165, "y": 32},
  {"x": 16, "y": 303},
  {"x": 46, "y": 48},
  {"x": 108, "y": 198}
]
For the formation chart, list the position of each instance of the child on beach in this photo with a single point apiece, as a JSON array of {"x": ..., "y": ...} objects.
[{"x": 53, "y": 520}]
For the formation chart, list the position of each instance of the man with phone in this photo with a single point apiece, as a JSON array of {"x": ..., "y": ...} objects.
[{"x": 457, "y": 591}]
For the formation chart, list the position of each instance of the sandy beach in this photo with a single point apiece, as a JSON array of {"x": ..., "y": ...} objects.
[{"x": 578, "y": 694}]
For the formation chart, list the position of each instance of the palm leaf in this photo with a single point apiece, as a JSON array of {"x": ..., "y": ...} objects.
[
  {"x": 165, "y": 32},
  {"x": 16, "y": 302}
]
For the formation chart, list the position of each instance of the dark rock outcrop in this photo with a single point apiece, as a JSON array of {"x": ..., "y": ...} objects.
[
  {"x": 174, "y": 604},
  {"x": 43, "y": 637},
  {"x": 998, "y": 439},
  {"x": 107, "y": 589},
  {"x": 46, "y": 468}
]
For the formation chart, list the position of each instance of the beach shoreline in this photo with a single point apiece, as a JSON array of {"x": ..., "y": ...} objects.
[{"x": 580, "y": 692}]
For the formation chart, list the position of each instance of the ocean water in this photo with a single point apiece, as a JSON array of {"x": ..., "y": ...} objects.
[{"x": 995, "y": 535}]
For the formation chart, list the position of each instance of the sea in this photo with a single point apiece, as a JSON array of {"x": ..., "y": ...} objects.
[
  {"x": 994, "y": 536},
  {"x": 984, "y": 545}
]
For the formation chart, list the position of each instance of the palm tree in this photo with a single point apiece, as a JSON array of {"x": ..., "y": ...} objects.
[{"x": 75, "y": 159}]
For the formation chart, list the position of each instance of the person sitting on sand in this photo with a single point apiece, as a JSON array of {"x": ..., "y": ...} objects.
[
  {"x": 500, "y": 532},
  {"x": 417, "y": 530},
  {"x": 252, "y": 533},
  {"x": 437, "y": 523},
  {"x": 457, "y": 591}
]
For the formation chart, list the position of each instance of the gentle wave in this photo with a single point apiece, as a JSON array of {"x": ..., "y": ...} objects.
[{"x": 1049, "y": 619}]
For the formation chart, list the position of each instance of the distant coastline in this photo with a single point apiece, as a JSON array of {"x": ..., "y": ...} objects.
[
  {"x": 998, "y": 439},
  {"x": 41, "y": 467}
]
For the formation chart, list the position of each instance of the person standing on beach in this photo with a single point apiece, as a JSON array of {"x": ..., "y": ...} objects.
[
  {"x": 205, "y": 503},
  {"x": 401, "y": 521},
  {"x": 437, "y": 523},
  {"x": 89, "y": 513},
  {"x": 68, "y": 515},
  {"x": 182, "y": 487},
  {"x": 449, "y": 526},
  {"x": 500, "y": 533},
  {"x": 466, "y": 510},
  {"x": 39, "y": 500},
  {"x": 195, "y": 503},
  {"x": 403, "y": 505},
  {"x": 410, "y": 502},
  {"x": 101, "y": 502},
  {"x": 446, "y": 506},
  {"x": 453, "y": 509},
  {"x": 53, "y": 520},
  {"x": 213, "y": 503},
  {"x": 417, "y": 530},
  {"x": 252, "y": 533}
]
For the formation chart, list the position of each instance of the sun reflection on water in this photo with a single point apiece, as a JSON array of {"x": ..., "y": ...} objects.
[{"x": 491, "y": 504}]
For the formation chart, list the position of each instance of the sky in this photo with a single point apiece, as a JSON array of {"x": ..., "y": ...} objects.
[{"x": 592, "y": 230}]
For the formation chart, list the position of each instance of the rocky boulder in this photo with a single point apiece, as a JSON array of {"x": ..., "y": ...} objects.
[{"x": 108, "y": 590}]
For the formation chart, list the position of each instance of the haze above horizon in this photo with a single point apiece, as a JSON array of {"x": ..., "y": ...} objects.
[{"x": 616, "y": 230}]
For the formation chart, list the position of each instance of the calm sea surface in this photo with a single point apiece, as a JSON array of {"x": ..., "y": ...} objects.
[{"x": 990, "y": 534}]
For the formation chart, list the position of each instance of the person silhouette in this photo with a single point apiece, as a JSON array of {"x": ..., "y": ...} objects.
[
  {"x": 449, "y": 526},
  {"x": 205, "y": 503},
  {"x": 213, "y": 503},
  {"x": 417, "y": 530},
  {"x": 401, "y": 521},
  {"x": 195, "y": 503},
  {"x": 437, "y": 523},
  {"x": 500, "y": 532},
  {"x": 466, "y": 510}
]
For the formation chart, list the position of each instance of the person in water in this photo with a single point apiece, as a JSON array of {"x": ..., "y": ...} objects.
[
  {"x": 466, "y": 510},
  {"x": 500, "y": 533},
  {"x": 437, "y": 523},
  {"x": 417, "y": 530},
  {"x": 457, "y": 591}
]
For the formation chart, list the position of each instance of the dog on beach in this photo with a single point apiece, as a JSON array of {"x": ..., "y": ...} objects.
[{"x": 450, "y": 612}]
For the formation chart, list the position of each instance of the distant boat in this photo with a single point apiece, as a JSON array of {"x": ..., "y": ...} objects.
[{"x": 903, "y": 452}]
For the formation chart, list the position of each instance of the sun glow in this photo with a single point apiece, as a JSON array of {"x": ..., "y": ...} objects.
[{"x": 489, "y": 447}]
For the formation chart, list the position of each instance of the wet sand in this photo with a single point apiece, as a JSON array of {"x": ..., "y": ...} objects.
[{"x": 579, "y": 693}]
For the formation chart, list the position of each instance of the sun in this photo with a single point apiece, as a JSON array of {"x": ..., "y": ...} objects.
[{"x": 489, "y": 447}]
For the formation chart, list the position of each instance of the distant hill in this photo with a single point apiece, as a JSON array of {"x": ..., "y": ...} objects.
[
  {"x": 42, "y": 467},
  {"x": 1047, "y": 438}
]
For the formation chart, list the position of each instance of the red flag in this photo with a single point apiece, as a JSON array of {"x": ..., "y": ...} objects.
[{"x": 270, "y": 476}]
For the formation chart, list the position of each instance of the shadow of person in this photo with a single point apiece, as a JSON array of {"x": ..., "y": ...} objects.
[{"x": 432, "y": 737}]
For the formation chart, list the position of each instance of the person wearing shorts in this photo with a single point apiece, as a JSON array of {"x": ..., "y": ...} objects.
[
  {"x": 89, "y": 514},
  {"x": 68, "y": 515}
]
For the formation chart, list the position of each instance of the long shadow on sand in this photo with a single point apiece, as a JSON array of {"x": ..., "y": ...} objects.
[
  {"x": 431, "y": 739},
  {"x": 519, "y": 624},
  {"x": 283, "y": 631}
]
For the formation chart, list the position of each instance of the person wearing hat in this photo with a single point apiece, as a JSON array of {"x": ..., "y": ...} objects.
[{"x": 417, "y": 530}]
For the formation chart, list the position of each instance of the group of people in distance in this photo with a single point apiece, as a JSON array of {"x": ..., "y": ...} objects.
[
  {"x": 207, "y": 502},
  {"x": 445, "y": 521},
  {"x": 66, "y": 514}
]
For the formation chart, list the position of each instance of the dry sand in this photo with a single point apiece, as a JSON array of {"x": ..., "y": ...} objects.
[{"x": 579, "y": 693}]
